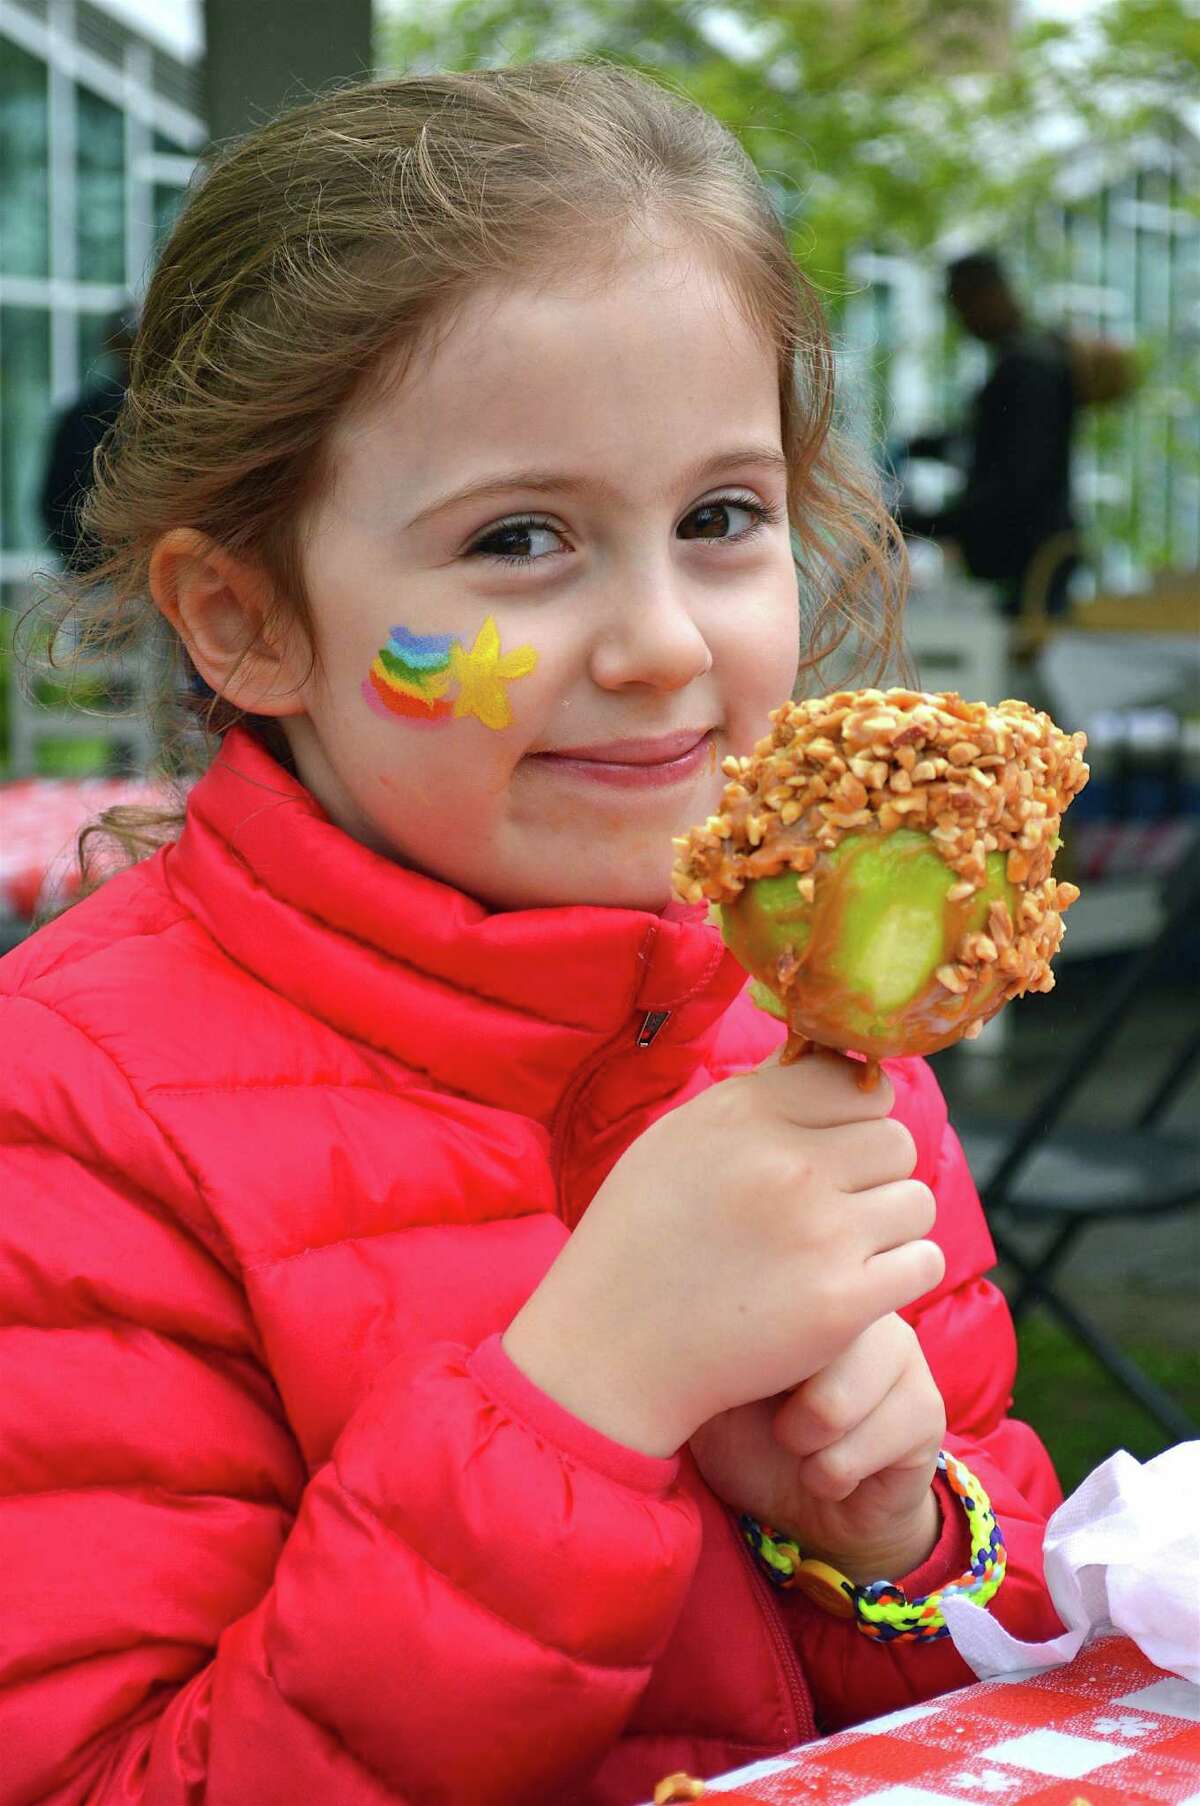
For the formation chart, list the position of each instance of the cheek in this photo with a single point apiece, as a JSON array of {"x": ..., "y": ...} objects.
[
  {"x": 762, "y": 655},
  {"x": 430, "y": 681},
  {"x": 783, "y": 659},
  {"x": 408, "y": 679}
]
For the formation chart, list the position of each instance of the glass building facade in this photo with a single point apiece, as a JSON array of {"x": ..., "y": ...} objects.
[
  {"x": 99, "y": 132},
  {"x": 1116, "y": 257}
]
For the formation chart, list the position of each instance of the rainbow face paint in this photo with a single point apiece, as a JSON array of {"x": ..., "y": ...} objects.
[{"x": 412, "y": 675}]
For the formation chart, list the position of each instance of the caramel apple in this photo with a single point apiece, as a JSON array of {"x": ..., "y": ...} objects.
[{"x": 881, "y": 865}]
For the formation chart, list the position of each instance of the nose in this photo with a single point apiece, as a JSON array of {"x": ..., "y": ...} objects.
[{"x": 649, "y": 636}]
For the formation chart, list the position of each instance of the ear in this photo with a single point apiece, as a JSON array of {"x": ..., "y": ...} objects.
[{"x": 221, "y": 606}]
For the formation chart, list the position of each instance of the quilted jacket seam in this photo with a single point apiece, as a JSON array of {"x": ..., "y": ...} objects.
[
  {"x": 213, "y": 1223},
  {"x": 105, "y": 1320},
  {"x": 630, "y": 1668},
  {"x": 275, "y": 1084},
  {"x": 388, "y": 957},
  {"x": 81, "y": 961},
  {"x": 138, "y": 1639},
  {"x": 330, "y": 1731},
  {"x": 267, "y": 1261},
  {"x": 696, "y": 984},
  {"x": 163, "y": 1213},
  {"x": 155, "y": 1486},
  {"x": 354, "y": 1037}
]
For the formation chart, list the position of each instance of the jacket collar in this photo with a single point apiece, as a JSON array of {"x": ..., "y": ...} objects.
[{"x": 504, "y": 1007}]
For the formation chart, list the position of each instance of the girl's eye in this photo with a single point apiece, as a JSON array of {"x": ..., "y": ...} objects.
[
  {"x": 730, "y": 518},
  {"x": 527, "y": 538},
  {"x": 517, "y": 541}
]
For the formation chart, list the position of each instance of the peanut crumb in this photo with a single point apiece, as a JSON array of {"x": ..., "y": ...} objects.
[{"x": 978, "y": 780}]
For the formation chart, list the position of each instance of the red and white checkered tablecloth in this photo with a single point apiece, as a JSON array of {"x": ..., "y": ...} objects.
[
  {"x": 39, "y": 819},
  {"x": 1107, "y": 1729}
]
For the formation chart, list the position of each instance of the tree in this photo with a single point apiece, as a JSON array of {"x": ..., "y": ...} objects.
[
  {"x": 872, "y": 125},
  {"x": 893, "y": 127}
]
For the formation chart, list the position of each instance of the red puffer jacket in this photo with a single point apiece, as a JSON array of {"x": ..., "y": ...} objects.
[{"x": 289, "y": 1134}]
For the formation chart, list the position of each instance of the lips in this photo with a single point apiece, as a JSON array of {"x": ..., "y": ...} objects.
[
  {"x": 659, "y": 751},
  {"x": 635, "y": 764}
]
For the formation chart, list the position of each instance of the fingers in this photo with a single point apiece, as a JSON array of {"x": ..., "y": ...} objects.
[
  {"x": 875, "y": 1406},
  {"x": 829, "y": 1405},
  {"x": 888, "y": 1262},
  {"x": 823, "y": 1089},
  {"x": 905, "y": 1429},
  {"x": 865, "y": 1154},
  {"x": 900, "y": 1276},
  {"x": 889, "y": 1215}
]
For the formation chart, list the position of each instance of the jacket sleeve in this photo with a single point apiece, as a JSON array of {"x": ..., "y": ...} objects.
[
  {"x": 462, "y": 1603},
  {"x": 967, "y": 1336}
]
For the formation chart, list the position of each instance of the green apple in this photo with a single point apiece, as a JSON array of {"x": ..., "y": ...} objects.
[{"x": 868, "y": 945}]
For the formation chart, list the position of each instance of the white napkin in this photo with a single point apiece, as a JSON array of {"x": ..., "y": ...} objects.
[{"x": 1122, "y": 1554}]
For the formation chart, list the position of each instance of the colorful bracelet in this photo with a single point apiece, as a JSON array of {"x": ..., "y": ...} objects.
[{"x": 881, "y": 1609}]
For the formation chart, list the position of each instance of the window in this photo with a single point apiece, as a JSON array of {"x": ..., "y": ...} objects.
[
  {"x": 24, "y": 420},
  {"x": 25, "y": 160},
  {"x": 100, "y": 190}
]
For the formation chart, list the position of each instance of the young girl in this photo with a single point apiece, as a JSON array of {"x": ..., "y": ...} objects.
[{"x": 408, "y": 1342}]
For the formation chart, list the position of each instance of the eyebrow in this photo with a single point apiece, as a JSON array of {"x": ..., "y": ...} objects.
[{"x": 547, "y": 481}]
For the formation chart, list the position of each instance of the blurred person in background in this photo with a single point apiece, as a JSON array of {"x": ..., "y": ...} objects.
[
  {"x": 1012, "y": 520},
  {"x": 77, "y": 432}
]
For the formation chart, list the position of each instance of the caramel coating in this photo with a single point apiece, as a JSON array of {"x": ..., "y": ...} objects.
[{"x": 976, "y": 779}]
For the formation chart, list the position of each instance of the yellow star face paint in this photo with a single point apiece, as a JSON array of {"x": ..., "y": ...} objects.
[
  {"x": 414, "y": 677},
  {"x": 484, "y": 673}
]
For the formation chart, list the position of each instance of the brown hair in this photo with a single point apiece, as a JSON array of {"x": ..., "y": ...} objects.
[{"x": 343, "y": 231}]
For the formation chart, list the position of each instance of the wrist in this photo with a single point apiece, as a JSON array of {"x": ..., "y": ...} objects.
[
  {"x": 906, "y": 1547},
  {"x": 606, "y": 1398},
  {"x": 907, "y": 1610}
]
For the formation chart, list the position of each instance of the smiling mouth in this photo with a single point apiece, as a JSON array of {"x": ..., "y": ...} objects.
[{"x": 634, "y": 764}]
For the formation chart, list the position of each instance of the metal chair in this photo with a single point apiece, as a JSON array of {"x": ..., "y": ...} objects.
[{"x": 1069, "y": 1179}]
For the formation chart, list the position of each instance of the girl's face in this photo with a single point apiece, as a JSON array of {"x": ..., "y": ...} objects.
[{"x": 552, "y": 587}]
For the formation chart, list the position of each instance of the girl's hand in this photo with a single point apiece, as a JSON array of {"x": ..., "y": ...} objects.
[
  {"x": 734, "y": 1249},
  {"x": 844, "y": 1464}
]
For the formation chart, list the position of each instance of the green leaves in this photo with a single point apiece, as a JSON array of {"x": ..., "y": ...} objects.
[{"x": 881, "y": 125}]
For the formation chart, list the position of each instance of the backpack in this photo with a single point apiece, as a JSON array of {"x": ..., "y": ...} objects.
[{"x": 1102, "y": 370}]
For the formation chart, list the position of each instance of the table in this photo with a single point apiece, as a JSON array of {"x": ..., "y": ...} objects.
[
  {"x": 39, "y": 820},
  {"x": 1107, "y": 1729}
]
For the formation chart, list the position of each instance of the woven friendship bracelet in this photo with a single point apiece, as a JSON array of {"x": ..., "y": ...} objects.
[{"x": 881, "y": 1609}]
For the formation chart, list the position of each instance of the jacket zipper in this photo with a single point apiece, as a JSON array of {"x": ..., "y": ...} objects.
[
  {"x": 653, "y": 1022},
  {"x": 645, "y": 1029},
  {"x": 799, "y": 1698},
  {"x": 648, "y": 1028},
  {"x": 797, "y": 1693},
  {"x": 560, "y": 1127},
  {"x": 647, "y": 1032}
]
